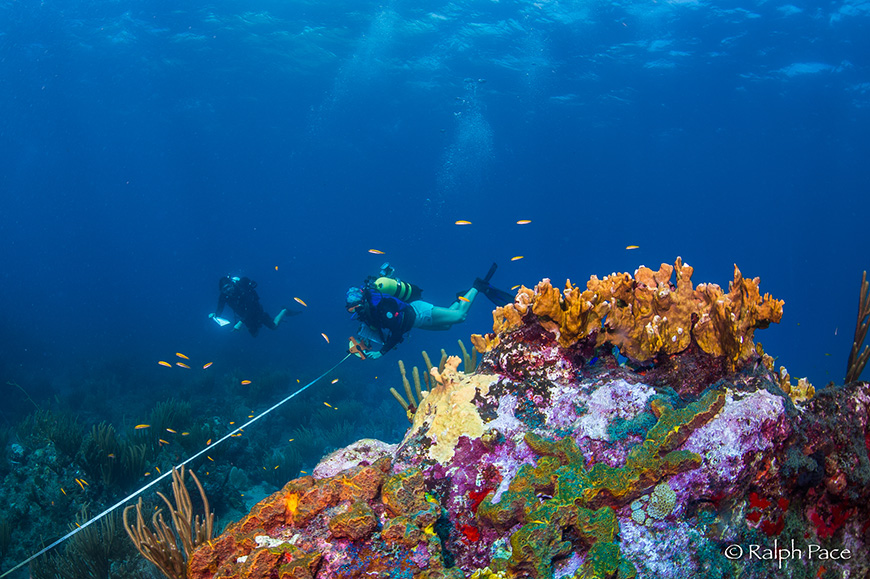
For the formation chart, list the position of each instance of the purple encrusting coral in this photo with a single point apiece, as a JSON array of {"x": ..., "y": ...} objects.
[{"x": 543, "y": 465}]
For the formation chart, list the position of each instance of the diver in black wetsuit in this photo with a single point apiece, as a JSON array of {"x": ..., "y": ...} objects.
[
  {"x": 240, "y": 294},
  {"x": 388, "y": 308}
]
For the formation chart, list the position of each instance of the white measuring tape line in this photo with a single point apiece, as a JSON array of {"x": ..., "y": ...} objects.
[{"x": 166, "y": 474}]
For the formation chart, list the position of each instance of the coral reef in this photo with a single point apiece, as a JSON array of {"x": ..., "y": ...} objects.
[
  {"x": 160, "y": 544},
  {"x": 555, "y": 460},
  {"x": 645, "y": 315}
]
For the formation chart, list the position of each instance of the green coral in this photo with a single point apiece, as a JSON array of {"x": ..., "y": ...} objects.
[{"x": 583, "y": 498}]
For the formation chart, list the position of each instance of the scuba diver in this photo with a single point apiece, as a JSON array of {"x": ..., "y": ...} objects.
[
  {"x": 240, "y": 294},
  {"x": 388, "y": 308}
]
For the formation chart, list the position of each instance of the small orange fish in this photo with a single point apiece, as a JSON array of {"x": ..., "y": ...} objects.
[
  {"x": 157, "y": 468},
  {"x": 167, "y": 364},
  {"x": 161, "y": 441},
  {"x": 185, "y": 434},
  {"x": 141, "y": 426},
  {"x": 516, "y": 258},
  {"x": 325, "y": 337},
  {"x": 291, "y": 440},
  {"x": 210, "y": 458},
  {"x": 111, "y": 455},
  {"x": 250, "y": 415},
  {"x": 170, "y": 430},
  {"x": 147, "y": 474},
  {"x": 327, "y": 403},
  {"x": 63, "y": 491},
  {"x": 207, "y": 442},
  {"x": 245, "y": 382},
  {"x": 84, "y": 481},
  {"x": 301, "y": 302},
  {"x": 376, "y": 251},
  {"x": 515, "y": 287},
  {"x": 277, "y": 466},
  {"x": 463, "y": 222},
  {"x": 303, "y": 472},
  {"x": 276, "y": 268},
  {"x": 463, "y": 299},
  {"x": 183, "y": 365},
  {"x": 232, "y": 422},
  {"x": 632, "y": 247},
  {"x": 180, "y": 355},
  {"x": 524, "y": 221},
  {"x": 80, "y": 484},
  {"x": 204, "y": 366},
  {"x": 334, "y": 381}
]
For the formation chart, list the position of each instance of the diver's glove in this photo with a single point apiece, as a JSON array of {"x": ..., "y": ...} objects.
[
  {"x": 374, "y": 355},
  {"x": 210, "y": 316},
  {"x": 238, "y": 326}
]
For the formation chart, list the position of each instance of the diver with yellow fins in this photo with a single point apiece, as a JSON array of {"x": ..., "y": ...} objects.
[{"x": 388, "y": 308}]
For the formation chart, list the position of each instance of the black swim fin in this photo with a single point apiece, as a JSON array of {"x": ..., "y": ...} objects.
[{"x": 493, "y": 294}]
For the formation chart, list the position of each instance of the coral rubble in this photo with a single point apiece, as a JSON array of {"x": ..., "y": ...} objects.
[{"x": 554, "y": 460}]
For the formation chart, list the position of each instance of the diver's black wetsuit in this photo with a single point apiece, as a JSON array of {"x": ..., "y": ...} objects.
[
  {"x": 391, "y": 317},
  {"x": 243, "y": 300}
]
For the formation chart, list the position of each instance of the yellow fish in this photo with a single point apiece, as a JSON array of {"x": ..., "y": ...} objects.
[
  {"x": 157, "y": 468},
  {"x": 376, "y": 251},
  {"x": 210, "y": 458},
  {"x": 463, "y": 299},
  {"x": 517, "y": 258},
  {"x": 334, "y": 381},
  {"x": 245, "y": 382},
  {"x": 180, "y": 355},
  {"x": 463, "y": 222},
  {"x": 515, "y": 287},
  {"x": 185, "y": 434},
  {"x": 328, "y": 404},
  {"x": 170, "y": 430},
  {"x": 141, "y": 426},
  {"x": 632, "y": 247},
  {"x": 161, "y": 441},
  {"x": 301, "y": 302},
  {"x": 204, "y": 366},
  {"x": 325, "y": 337},
  {"x": 183, "y": 365},
  {"x": 167, "y": 364},
  {"x": 524, "y": 221}
]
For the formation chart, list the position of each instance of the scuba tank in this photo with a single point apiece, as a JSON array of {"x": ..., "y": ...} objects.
[{"x": 398, "y": 289}]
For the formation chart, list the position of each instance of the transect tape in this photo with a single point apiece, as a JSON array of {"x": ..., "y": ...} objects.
[{"x": 167, "y": 473}]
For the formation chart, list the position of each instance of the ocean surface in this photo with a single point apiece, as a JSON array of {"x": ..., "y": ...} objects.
[{"x": 149, "y": 148}]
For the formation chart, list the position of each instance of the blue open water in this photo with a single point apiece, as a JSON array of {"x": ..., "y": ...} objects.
[{"x": 148, "y": 148}]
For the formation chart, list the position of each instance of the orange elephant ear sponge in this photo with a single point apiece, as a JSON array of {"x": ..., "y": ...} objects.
[{"x": 644, "y": 315}]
